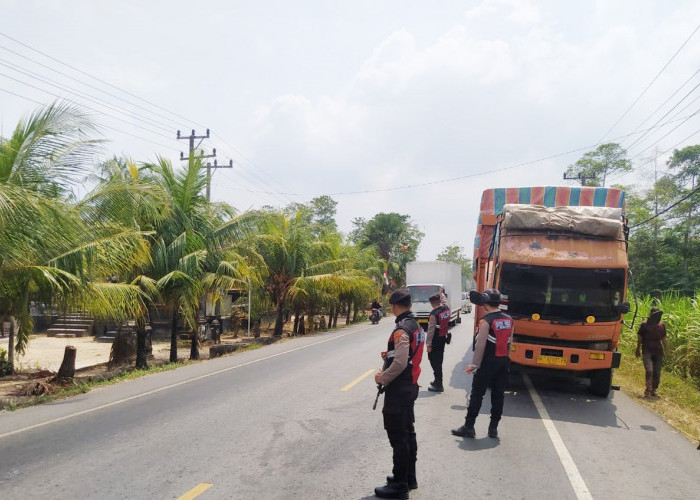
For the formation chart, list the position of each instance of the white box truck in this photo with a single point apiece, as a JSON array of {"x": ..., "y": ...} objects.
[{"x": 425, "y": 278}]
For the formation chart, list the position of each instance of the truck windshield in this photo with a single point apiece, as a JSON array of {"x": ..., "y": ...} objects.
[
  {"x": 421, "y": 293},
  {"x": 562, "y": 293}
]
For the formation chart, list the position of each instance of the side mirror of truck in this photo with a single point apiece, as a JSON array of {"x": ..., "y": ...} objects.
[{"x": 624, "y": 308}]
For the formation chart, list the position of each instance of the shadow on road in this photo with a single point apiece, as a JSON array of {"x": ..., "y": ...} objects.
[
  {"x": 478, "y": 444},
  {"x": 566, "y": 398}
]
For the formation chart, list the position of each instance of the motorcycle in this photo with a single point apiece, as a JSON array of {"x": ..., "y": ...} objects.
[{"x": 375, "y": 315}]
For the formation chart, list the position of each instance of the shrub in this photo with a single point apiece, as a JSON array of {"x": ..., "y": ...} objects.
[{"x": 5, "y": 368}]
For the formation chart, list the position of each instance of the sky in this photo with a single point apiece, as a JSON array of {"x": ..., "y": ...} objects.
[{"x": 386, "y": 106}]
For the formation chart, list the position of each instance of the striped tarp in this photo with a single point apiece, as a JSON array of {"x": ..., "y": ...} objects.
[{"x": 492, "y": 201}]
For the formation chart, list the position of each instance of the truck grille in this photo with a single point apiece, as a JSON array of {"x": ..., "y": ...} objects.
[{"x": 596, "y": 345}]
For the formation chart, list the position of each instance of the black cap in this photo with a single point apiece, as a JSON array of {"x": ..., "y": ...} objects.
[
  {"x": 434, "y": 297},
  {"x": 401, "y": 296},
  {"x": 493, "y": 297}
]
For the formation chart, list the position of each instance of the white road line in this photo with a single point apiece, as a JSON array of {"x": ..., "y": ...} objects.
[
  {"x": 160, "y": 389},
  {"x": 577, "y": 482}
]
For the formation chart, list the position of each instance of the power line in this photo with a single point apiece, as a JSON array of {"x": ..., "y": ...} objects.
[
  {"x": 82, "y": 82},
  {"x": 668, "y": 208},
  {"x": 667, "y": 113},
  {"x": 666, "y": 101},
  {"x": 84, "y": 105},
  {"x": 102, "y": 125},
  {"x": 666, "y": 135},
  {"x": 82, "y": 95},
  {"x": 98, "y": 79},
  {"x": 102, "y": 102},
  {"x": 651, "y": 83}
]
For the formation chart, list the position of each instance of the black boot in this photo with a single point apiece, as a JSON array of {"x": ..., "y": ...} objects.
[
  {"x": 493, "y": 431},
  {"x": 412, "y": 483},
  {"x": 435, "y": 387},
  {"x": 392, "y": 490},
  {"x": 493, "y": 428},
  {"x": 464, "y": 431}
]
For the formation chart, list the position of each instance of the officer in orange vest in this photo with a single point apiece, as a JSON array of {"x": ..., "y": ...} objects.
[
  {"x": 490, "y": 361},
  {"x": 399, "y": 379},
  {"x": 436, "y": 338}
]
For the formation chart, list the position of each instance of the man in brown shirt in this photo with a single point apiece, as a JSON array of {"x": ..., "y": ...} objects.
[{"x": 651, "y": 341}]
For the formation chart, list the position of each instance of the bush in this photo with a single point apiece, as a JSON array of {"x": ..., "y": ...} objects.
[{"x": 5, "y": 368}]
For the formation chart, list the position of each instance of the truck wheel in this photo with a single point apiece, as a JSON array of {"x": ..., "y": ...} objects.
[
  {"x": 601, "y": 382},
  {"x": 459, "y": 319}
]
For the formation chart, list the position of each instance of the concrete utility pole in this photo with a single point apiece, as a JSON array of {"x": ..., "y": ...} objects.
[
  {"x": 192, "y": 137},
  {"x": 579, "y": 177}
]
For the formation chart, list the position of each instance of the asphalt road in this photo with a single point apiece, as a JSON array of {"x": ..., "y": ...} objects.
[{"x": 295, "y": 420}]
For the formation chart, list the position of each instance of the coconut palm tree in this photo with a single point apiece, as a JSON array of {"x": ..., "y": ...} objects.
[{"x": 49, "y": 249}]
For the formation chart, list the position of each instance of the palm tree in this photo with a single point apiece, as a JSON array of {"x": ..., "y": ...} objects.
[
  {"x": 198, "y": 247},
  {"x": 300, "y": 268},
  {"x": 49, "y": 249}
]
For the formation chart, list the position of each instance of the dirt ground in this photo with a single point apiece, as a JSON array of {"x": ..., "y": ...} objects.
[{"x": 44, "y": 356}]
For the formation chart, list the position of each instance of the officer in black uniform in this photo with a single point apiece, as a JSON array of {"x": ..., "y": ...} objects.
[
  {"x": 436, "y": 338},
  {"x": 491, "y": 361},
  {"x": 399, "y": 378}
]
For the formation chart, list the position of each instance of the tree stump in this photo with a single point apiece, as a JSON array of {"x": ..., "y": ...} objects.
[
  {"x": 67, "y": 369},
  {"x": 123, "y": 350}
]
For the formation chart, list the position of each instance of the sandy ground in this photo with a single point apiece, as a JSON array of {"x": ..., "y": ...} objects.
[{"x": 47, "y": 352}]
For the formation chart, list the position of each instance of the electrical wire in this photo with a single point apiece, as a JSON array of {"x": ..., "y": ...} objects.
[
  {"x": 99, "y": 79},
  {"x": 667, "y": 208},
  {"x": 82, "y": 95},
  {"x": 651, "y": 83}
]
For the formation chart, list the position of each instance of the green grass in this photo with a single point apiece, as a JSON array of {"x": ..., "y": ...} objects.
[{"x": 682, "y": 319}]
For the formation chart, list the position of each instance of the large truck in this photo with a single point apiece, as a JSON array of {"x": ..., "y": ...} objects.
[
  {"x": 425, "y": 278},
  {"x": 559, "y": 257}
]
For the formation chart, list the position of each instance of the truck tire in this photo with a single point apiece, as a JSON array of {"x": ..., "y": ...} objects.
[
  {"x": 459, "y": 319},
  {"x": 601, "y": 382}
]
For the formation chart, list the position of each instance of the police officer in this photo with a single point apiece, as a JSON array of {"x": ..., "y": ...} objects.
[
  {"x": 399, "y": 378},
  {"x": 436, "y": 338},
  {"x": 491, "y": 361}
]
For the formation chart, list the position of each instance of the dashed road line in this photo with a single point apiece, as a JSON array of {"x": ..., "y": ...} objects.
[
  {"x": 358, "y": 379},
  {"x": 196, "y": 491},
  {"x": 575, "y": 478}
]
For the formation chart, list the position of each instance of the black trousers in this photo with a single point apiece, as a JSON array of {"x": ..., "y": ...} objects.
[
  {"x": 436, "y": 355},
  {"x": 398, "y": 423},
  {"x": 492, "y": 374}
]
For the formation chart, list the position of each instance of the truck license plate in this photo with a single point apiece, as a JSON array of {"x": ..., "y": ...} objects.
[{"x": 551, "y": 360}]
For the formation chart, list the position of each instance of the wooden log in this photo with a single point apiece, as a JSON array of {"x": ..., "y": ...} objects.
[{"x": 67, "y": 369}]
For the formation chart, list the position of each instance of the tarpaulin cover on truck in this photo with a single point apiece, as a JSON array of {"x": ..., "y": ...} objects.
[{"x": 605, "y": 222}]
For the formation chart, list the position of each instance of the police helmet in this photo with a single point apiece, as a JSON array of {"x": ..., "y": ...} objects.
[{"x": 401, "y": 297}]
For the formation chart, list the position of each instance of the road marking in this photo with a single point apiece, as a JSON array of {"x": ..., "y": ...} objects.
[
  {"x": 196, "y": 491},
  {"x": 577, "y": 482},
  {"x": 160, "y": 389},
  {"x": 358, "y": 379}
]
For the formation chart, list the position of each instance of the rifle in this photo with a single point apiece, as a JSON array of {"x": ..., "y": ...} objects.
[{"x": 380, "y": 389}]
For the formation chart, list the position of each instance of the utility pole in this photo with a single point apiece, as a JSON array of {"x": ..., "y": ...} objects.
[
  {"x": 192, "y": 137},
  {"x": 209, "y": 167},
  {"x": 580, "y": 177}
]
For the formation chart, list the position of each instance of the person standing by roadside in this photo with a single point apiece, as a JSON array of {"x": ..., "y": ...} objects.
[
  {"x": 490, "y": 361},
  {"x": 436, "y": 338},
  {"x": 399, "y": 378},
  {"x": 651, "y": 341}
]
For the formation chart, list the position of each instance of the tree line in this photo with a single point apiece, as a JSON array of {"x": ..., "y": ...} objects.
[{"x": 144, "y": 238}]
